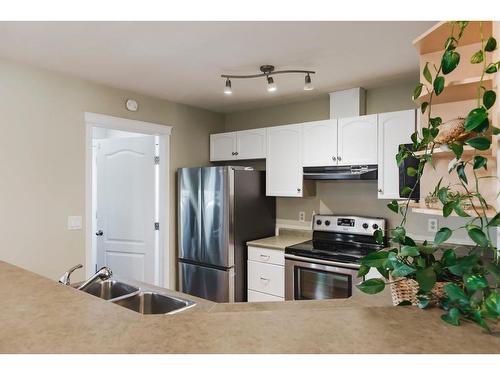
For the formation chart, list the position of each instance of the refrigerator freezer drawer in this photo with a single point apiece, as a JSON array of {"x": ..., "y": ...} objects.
[{"x": 209, "y": 283}]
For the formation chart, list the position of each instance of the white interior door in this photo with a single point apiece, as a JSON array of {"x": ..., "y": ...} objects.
[{"x": 126, "y": 206}]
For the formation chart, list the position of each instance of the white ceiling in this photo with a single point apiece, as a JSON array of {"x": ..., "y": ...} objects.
[{"x": 182, "y": 61}]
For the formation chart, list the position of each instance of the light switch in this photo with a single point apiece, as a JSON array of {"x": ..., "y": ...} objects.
[{"x": 74, "y": 222}]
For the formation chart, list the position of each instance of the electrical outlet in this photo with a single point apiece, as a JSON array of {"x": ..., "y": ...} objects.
[
  {"x": 432, "y": 225},
  {"x": 302, "y": 216}
]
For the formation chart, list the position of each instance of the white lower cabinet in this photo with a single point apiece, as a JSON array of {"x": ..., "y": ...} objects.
[
  {"x": 266, "y": 281},
  {"x": 254, "y": 296}
]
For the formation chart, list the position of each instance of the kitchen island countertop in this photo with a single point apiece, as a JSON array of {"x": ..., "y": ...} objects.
[{"x": 39, "y": 315}]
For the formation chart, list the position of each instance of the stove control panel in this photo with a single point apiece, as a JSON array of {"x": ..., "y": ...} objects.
[{"x": 348, "y": 224}]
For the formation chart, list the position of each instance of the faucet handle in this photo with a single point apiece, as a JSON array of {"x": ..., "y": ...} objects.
[{"x": 65, "y": 279}]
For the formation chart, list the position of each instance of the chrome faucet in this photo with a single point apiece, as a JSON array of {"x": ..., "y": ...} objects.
[
  {"x": 65, "y": 278},
  {"x": 104, "y": 273}
]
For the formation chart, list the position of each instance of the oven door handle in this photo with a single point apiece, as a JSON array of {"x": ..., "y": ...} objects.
[{"x": 321, "y": 261}]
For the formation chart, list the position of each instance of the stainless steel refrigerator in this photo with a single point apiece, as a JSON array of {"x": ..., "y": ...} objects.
[{"x": 219, "y": 210}]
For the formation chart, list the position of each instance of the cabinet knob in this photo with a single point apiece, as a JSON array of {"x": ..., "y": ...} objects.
[
  {"x": 339, "y": 158},
  {"x": 380, "y": 190},
  {"x": 298, "y": 190},
  {"x": 236, "y": 153},
  {"x": 334, "y": 158},
  {"x": 233, "y": 153}
]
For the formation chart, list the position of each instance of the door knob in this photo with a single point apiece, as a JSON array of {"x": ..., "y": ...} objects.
[{"x": 99, "y": 233}]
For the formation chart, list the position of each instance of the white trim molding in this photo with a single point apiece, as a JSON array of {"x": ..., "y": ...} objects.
[{"x": 162, "y": 268}]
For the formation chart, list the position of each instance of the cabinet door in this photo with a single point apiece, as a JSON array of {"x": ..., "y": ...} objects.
[
  {"x": 357, "y": 140},
  {"x": 284, "y": 161},
  {"x": 223, "y": 146},
  {"x": 320, "y": 143},
  {"x": 394, "y": 128},
  {"x": 251, "y": 144}
]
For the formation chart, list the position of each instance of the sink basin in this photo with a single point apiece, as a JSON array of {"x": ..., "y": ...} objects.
[
  {"x": 109, "y": 289},
  {"x": 154, "y": 303}
]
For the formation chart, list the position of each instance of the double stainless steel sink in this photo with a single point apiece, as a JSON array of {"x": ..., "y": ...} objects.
[{"x": 137, "y": 298}]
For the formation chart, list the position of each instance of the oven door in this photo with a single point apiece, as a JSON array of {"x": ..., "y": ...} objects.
[{"x": 310, "y": 279}]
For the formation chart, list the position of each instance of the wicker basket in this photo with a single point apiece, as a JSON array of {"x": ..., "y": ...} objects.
[
  {"x": 407, "y": 289},
  {"x": 452, "y": 131}
]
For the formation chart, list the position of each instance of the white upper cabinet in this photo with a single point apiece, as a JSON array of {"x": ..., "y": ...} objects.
[
  {"x": 395, "y": 128},
  {"x": 284, "y": 161},
  {"x": 319, "y": 143},
  {"x": 223, "y": 146},
  {"x": 251, "y": 144},
  {"x": 357, "y": 140}
]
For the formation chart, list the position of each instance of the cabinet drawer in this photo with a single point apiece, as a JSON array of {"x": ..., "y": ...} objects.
[
  {"x": 254, "y": 296},
  {"x": 260, "y": 254},
  {"x": 266, "y": 278}
]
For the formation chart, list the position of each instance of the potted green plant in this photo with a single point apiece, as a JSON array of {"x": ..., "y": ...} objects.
[{"x": 426, "y": 274}]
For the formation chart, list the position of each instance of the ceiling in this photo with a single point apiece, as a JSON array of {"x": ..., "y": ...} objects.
[{"x": 183, "y": 61}]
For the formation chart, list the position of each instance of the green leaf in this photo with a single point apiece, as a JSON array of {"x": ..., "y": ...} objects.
[
  {"x": 363, "y": 270},
  {"x": 442, "y": 235},
  {"x": 417, "y": 91},
  {"x": 409, "y": 251},
  {"x": 423, "y": 302},
  {"x": 379, "y": 236},
  {"x": 372, "y": 286},
  {"x": 427, "y": 74},
  {"x": 495, "y": 130},
  {"x": 456, "y": 294},
  {"x": 461, "y": 173},
  {"x": 492, "y": 303},
  {"x": 404, "y": 303},
  {"x": 489, "y": 98},
  {"x": 480, "y": 162},
  {"x": 424, "y": 106},
  {"x": 458, "y": 149},
  {"x": 435, "y": 121},
  {"x": 375, "y": 259},
  {"x": 426, "y": 279},
  {"x": 443, "y": 195},
  {"x": 399, "y": 234},
  {"x": 449, "y": 257},
  {"x": 459, "y": 210},
  {"x": 393, "y": 206},
  {"x": 464, "y": 265},
  {"x": 491, "y": 68},
  {"x": 477, "y": 57},
  {"x": 491, "y": 44},
  {"x": 478, "y": 236},
  {"x": 475, "y": 282},
  {"x": 427, "y": 249},
  {"x": 401, "y": 269},
  {"x": 479, "y": 143},
  {"x": 449, "y": 61},
  {"x": 408, "y": 241},
  {"x": 452, "y": 316},
  {"x": 438, "y": 85},
  {"x": 406, "y": 191},
  {"x": 410, "y": 171},
  {"x": 495, "y": 221},
  {"x": 475, "y": 118},
  {"x": 448, "y": 208}
]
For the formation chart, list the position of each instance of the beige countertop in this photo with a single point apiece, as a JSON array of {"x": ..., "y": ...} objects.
[
  {"x": 39, "y": 315},
  {"x": 286, "y": 238}
]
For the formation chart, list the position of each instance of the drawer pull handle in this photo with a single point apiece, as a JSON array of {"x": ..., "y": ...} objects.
[
  {"x": 264, "y": 279},
  {"x": 266, "y": 257}
]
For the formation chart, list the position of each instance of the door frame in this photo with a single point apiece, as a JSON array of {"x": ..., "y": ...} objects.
[{"x": 163, "y": 253}]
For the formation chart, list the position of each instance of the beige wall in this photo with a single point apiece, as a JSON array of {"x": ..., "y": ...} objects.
[
  {"x": 340, "y": 197},
  {"x": 42, "y": 159}
]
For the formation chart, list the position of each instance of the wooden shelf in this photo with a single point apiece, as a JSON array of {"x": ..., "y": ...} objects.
[
  {"x": 456, "y": 91},
  {"x": 433, "y": 39},
  {"x": 422, "y": 209},
  {"x": 468, "y": 150}
]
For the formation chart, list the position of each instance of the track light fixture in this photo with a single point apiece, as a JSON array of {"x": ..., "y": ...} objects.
[
  {"x": 227, "y": 89},
  {"x": 268, "y": 71}
]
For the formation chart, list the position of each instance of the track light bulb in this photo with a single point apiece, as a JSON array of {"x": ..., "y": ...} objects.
[
  {"x": 308, "y": 85},
  {"x": 227, "y": 89},
  {"x": 271, "y": 86}
]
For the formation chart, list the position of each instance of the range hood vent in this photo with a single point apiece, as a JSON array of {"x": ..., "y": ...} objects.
[{"x": 350, "y": 172}]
